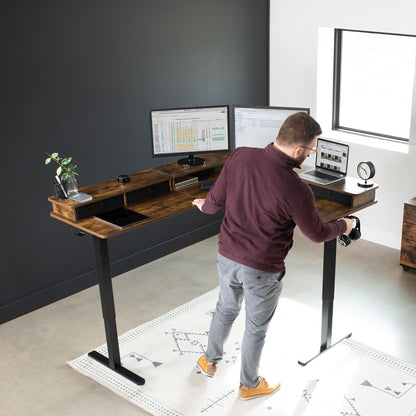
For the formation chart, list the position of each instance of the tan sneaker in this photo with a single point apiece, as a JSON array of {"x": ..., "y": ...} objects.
[
  {"x": 247, "y": 393},
  {"x": 207, "y": 368}
]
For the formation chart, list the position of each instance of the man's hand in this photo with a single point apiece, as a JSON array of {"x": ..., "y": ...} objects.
[
  {"x": 350, "y": 224},
  {"x": 198, "y": 203}
]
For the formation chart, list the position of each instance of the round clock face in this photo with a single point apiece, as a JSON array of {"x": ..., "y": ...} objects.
[{"x": 366, "y": 170}]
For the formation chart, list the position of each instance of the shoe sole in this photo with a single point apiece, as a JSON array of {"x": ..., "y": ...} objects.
[{"x": 258, "y": 395}]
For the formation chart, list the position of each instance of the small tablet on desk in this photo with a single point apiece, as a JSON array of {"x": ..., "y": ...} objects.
[{"x": 121, "y": 217}]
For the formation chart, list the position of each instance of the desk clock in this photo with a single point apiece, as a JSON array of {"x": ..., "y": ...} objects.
[{"x": 366, "y": 171}]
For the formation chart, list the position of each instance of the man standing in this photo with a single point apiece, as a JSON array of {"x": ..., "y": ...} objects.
[{"x": 264, "y": 200}]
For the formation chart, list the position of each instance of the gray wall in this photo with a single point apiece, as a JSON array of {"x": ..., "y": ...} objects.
[{"x": 79, "y": 78}]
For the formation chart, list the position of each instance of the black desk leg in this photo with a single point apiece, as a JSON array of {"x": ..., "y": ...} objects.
[
  {"x": 328, "y": 291},
  {"x": 107, "y": 304}
]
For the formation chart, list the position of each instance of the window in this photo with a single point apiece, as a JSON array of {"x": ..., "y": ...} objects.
[{"x": 374, "y": 77}]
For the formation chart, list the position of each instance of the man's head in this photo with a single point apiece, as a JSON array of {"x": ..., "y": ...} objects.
[{"x": 298, "y": 136}]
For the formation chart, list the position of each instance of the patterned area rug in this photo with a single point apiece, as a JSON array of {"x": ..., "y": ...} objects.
[{"x": 350, "y": 379}]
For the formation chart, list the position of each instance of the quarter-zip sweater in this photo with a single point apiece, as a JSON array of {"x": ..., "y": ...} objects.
[{"x": 264, "y": 200}]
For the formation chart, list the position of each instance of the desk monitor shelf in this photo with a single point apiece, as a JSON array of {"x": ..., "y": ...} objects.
[
  {"x": 112, "y": 194},
  {"x": 147, "y": 191},
  {"x": 209, "y": 170},
  {"x": 212, "y": 161}
]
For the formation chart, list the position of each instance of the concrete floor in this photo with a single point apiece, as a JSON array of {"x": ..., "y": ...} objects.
[{"x": 375, "y": 300}]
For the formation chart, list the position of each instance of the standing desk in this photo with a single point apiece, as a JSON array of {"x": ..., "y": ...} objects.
[
  {"x": 156, "y": 193},
  {"x": 333, "y": 202}
]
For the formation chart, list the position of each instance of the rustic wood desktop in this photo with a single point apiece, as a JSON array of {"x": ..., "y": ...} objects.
[{"x": 157, "y": 194}]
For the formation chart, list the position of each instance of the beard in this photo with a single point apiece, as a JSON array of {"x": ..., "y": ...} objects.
[{"x": 300, "y": 159}]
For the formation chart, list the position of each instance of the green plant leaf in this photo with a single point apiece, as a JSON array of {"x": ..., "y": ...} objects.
[
  {"x": 66, "y": 160},
  {"x": 47, "y": 161},
  {"x": 72, "y": 169},
  {"x": 59, "y": 170},
  {"x": 54, "y": 155},
  {"x": 64, "y": 177}
]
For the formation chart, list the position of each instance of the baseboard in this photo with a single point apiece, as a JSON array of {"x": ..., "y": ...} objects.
[{"x": 84, "y": 281}]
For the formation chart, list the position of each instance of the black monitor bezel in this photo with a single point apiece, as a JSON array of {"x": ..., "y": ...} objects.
[{"x": 157, "y": 155}]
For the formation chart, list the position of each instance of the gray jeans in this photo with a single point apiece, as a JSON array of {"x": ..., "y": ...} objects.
[{"x": 261, "y": 291}]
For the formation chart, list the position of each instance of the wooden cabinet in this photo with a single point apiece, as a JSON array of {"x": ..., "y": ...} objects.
[{"x": 408, "y": 250}]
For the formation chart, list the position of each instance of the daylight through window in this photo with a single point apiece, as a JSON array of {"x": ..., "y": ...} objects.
[{"x": 373, "y": 83}]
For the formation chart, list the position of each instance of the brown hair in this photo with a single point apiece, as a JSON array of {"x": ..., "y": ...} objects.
[{"x": 298, "y": 129}]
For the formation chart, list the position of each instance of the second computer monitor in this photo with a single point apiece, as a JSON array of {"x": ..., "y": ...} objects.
[{"x": 259, "y": 126}]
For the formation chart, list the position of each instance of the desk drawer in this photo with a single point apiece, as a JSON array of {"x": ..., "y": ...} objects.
[
  {"x": 331, "y": 195},
  {"x": 409, "y": 231},
  {"x": 408, "y": 253},
  {"x": 98, "y": 207}
]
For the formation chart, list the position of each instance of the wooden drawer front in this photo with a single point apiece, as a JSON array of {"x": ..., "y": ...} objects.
[
  {"x": 409, "y": 231},
  {"x": 64, "y": 212},
  {"x": 408, "y": 253},
  {"x": 409, "y": 214}
]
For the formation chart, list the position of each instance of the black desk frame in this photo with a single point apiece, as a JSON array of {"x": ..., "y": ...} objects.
[
  {"x": 108, "y": 309},
  {"x": 109, "y": 314},
  {"x": 328, "y": 294}
]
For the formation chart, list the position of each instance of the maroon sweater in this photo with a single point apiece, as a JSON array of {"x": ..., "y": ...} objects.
[{"x": 264, "y": 200}]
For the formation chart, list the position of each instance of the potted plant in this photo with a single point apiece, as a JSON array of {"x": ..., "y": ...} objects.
[{"x": 65, "y": 182}]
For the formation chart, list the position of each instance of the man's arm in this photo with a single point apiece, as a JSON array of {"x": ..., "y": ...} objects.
[{"x": 306, "y": 217}]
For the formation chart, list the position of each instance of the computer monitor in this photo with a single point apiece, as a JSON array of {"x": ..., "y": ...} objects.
[
  {"x": 190, "y": 131},
  {"x": 259, "y": 126}
]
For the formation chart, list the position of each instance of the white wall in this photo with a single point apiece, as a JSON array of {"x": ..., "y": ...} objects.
[{"x": 293, "y": 82}]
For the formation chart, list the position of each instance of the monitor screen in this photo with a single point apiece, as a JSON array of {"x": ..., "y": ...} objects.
[
  {"x": 189, "y": 131},
  {"x": 259, "y": 126}
]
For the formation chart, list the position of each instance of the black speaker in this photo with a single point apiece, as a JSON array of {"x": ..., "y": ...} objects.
[{"x": 355, "y": 233}]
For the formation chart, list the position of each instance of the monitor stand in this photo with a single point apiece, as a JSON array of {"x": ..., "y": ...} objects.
[{"x": 191, "y": 161}]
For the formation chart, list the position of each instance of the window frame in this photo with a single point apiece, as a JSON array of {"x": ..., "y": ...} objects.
[{"x": 336, "y": 89}]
